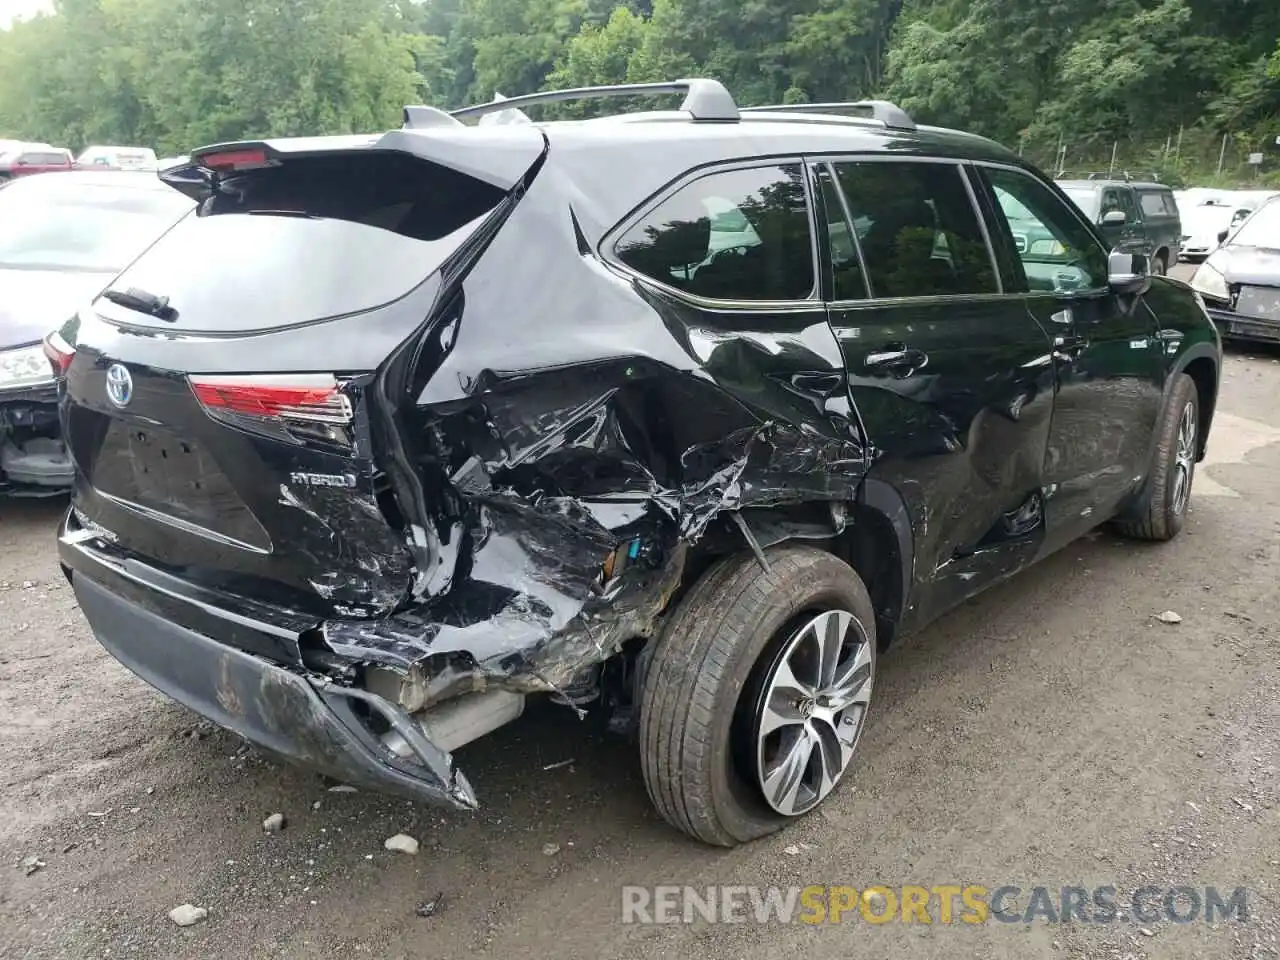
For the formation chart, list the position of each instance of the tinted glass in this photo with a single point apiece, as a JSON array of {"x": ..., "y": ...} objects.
[
  {"x": 311, "y": 239},
  {"x": 61, "y": 223},
  {"x": 1056, "y": 250},
  {"x": 732, "y": 235},
  {"x": 846, "y": 269},
  {"x": 922, "y": 235}
]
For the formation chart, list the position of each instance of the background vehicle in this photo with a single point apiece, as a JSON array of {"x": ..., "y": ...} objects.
[
  {"x": 1240, "y": 281},
  {"x": 61, "y": 240},
  {"x": 1208, "y": 217},
  {"x": 34, "y": 158},
  {"x": 1133, "y": 217},
  {"x": 118, "y": 158},
  {"x": 796, "y": 391}
]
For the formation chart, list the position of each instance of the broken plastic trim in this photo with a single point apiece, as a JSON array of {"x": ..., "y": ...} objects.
[{"x": 438, "y": 763}]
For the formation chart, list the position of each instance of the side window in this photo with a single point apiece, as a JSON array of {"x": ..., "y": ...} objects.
[
  {"x": 1058, "y": 253},
  {"x": 842, "y": 241},
  {"x": 1153, "y": 204},
  {"x": 922, "y": 236},
  {"x": 1110, "y": 201},
  {"x": 732, "y": 235}
]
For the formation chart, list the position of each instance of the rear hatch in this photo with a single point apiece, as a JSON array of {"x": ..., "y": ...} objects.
[{"x": 221, "y": 409}]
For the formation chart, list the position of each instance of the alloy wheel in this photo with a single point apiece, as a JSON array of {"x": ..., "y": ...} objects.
[
  {"x": 811, "y": 711},
  {"x": 1184, "y": 458}
]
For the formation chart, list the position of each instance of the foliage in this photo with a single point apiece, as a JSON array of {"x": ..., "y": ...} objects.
[{"x": 1084, "y": 77}]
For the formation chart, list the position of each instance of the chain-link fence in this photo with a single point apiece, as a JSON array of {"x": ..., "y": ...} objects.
[{"x": 1187, "y": 157}]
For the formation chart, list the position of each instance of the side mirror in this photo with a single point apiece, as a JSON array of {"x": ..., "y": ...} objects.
[
  {"x": 1222, "y": 236},
  {"x": 1128, "y": 272},
  {"x": 1113, "y": 218},
  {"x": 1239, "y": 217}
]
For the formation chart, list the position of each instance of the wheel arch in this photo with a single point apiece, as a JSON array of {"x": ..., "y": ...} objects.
[
  {"x": 872, "y": 534},
  {"x": 1200, "y": 363}
]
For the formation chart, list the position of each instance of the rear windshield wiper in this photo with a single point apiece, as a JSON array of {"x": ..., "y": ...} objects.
[{"x": 137, "y": 299}]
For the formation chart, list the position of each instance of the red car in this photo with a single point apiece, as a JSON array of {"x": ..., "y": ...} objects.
[{"x": 33, "y": 158}]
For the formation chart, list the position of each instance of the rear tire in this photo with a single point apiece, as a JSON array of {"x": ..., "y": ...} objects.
[
  {"x": 1161, "y": 509},
  {"x": 720, "y": 680}
]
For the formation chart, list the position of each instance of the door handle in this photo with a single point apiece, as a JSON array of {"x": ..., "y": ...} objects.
[{"x": 898, "y": 358}]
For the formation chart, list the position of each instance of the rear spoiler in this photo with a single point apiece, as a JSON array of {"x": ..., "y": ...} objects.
[{"x": 496, "y": 155}]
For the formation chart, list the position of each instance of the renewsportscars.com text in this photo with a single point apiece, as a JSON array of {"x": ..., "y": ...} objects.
[{"x": 942, "y": 904}]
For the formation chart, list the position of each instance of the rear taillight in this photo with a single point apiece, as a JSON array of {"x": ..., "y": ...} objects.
[
  {"x": 300, "y": 407},
  {"x": 59, "y": 352}
]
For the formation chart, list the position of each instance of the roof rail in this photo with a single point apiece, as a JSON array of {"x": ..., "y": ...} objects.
[
  {"x": 704, "y": 99},
  {"x": 890, "y": 114}
]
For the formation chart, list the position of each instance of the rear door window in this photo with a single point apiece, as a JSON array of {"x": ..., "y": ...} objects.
[
  {"x": 312, "y": 239},
  {"x": 842, "y": 242},
  {"x": 923, "y": 236},
  {"x": 739, "y": 235}
]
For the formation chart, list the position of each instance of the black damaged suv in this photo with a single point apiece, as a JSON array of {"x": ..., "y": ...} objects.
[{"x": 680, "y": 415}]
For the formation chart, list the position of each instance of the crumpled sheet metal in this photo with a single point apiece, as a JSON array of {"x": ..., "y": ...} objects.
[{"x": 627, "y": 415}]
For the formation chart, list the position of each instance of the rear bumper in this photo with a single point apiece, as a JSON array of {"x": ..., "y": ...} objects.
[
  {"x": 1234, "y": 326},
  {"x": 307, "y": 719}
]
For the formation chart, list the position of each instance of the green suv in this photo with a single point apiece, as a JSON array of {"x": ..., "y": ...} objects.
[{"x": 1133, "y": 217}]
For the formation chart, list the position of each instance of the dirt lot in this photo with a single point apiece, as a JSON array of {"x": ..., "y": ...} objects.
[{"x": 1052, "y": 732}]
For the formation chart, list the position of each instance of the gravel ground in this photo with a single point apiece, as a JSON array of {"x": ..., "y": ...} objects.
[{"x": 1052, "y": 732}]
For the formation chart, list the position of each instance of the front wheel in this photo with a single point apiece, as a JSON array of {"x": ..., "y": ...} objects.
[
  {"x": 757, "y": 694},
  {"x": 1161, "y": 509},
  {"x": 1158, "y": 266}
]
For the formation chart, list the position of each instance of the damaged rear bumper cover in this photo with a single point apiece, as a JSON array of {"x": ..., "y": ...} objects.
[{"x": 307, "y": 720}]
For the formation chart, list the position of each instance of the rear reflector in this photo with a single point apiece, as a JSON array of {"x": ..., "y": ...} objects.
[
  {"x": 59, "y": 352},
  {"x": 314, "y": 398}
]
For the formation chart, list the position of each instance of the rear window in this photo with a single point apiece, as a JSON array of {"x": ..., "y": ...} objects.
[
  {"x": 312, "y": 239},
  {"x": 1157, "y": 204}
]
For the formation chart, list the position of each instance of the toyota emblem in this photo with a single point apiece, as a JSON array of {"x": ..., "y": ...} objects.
[{"x": 119, "y": 385}]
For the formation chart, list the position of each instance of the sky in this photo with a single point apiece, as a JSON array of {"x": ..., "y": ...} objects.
[{"x": 11, "y": 9}]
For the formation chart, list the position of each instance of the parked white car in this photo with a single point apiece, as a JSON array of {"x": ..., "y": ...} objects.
[{"x": 1205, "y": 214}]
